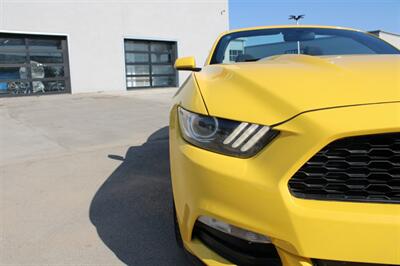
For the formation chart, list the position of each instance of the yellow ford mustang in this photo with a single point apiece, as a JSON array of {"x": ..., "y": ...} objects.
[{"x": 285, "y": 149}]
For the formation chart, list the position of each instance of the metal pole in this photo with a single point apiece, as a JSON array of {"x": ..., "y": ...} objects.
[
  {"x": 297, "y": 18},
  {"x": 298, "y": 42}
]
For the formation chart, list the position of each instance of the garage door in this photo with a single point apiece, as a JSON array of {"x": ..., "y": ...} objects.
[
  {"x": 33, "y": 65},
  {"x": 150, "y": 64}
]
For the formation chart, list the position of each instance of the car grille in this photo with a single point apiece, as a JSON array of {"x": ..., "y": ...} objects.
[
  {"x": 345, "y": 263},
  {"x": 362, "y": 168},
  {"x": 236, "y": 250}
]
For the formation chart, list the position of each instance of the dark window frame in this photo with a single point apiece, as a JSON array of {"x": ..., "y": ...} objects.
[
  {"x": 150, "y": 64},
  {"x": 28, "y": 51}
]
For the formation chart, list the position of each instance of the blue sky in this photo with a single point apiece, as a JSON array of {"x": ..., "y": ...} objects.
[{"x": 360, "y": 14}]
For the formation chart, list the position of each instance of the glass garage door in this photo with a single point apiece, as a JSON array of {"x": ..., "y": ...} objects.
[
  {"x": 150, "y": 64},
  {"x": 33, "y": 65}
]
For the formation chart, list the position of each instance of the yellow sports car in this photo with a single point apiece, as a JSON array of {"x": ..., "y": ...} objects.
[{"x": 285, "y": 149}]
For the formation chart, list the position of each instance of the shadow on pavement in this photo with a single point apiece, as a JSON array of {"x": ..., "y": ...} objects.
[{"x": 132, "y": 210}]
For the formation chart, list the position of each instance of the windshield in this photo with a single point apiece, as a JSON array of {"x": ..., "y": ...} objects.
[{"x": 253, "y": 45}]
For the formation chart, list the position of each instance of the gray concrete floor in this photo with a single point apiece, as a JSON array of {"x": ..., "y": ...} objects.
[{"x": 85, "y": 180}]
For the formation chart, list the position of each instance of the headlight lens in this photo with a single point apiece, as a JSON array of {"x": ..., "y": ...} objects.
[{"x": 224, "y": 136}]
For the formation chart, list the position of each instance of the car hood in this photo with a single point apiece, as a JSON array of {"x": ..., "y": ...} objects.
[{"x": 277, "y": 88}]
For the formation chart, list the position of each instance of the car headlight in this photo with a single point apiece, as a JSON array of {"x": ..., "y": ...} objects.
[{"x": 224, "y": 136}]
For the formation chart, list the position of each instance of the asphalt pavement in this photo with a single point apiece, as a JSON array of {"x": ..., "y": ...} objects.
[{"x": 85, "y": 180}]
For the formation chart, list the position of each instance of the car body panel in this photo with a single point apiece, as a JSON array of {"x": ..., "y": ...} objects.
[
  {"x": 312, "y": 101},
  {"x": 190, "y": 96},
  {"x": 244, "y": 192},
  {"x": 275, "y": 89}
]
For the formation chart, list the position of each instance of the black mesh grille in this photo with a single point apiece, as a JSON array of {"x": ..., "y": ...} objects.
[
  {"x": 363, "y": 168},
  {"x": 345, "y": 263}
]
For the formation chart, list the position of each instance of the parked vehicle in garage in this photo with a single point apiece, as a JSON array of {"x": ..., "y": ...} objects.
[{"x": 285, "y": 149}]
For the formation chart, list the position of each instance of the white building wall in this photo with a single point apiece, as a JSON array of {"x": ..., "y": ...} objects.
[
  {"x": 391, "y": 38},
  {"x": 96, "y": 31}
]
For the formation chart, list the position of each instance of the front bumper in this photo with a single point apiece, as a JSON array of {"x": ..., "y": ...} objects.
[{"x": 253, "y": 193}]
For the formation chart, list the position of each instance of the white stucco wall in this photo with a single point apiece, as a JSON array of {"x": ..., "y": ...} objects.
[
  {"x": 391, "y": 38},
  {"x": 96, "y": 31}
]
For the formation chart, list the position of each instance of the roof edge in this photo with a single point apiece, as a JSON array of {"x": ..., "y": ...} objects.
[{"x": 390, "y": 33}]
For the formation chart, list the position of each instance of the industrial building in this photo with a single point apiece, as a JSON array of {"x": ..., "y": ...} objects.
[{"x": 71, "y": 47}]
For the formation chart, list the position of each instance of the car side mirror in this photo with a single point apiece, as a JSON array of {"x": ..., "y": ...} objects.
[{"x": 186, "y": 63}]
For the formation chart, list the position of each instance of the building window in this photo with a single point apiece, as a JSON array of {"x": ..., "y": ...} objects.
[
  {"x": 233, "y": 54},
  {"x": 150, "y": 64},
  {"x": 33, "y": 64}
]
